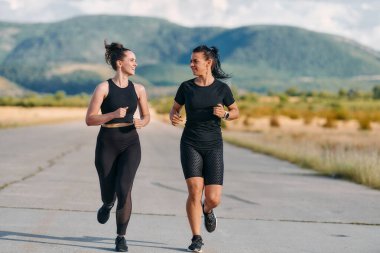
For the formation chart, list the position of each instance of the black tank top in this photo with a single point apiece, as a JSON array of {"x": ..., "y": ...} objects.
[{"x": 120, "y": 97}]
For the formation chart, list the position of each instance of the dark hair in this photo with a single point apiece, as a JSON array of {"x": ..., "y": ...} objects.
[
  {"x": 114, "y": 52},
  {"x": 212, "y": 53}
]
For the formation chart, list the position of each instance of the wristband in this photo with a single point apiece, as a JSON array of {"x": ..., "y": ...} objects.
[{"x": 226, "y": 115}]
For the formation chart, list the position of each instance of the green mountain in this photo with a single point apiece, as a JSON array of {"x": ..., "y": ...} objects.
[{"x": 69, "y": 55}]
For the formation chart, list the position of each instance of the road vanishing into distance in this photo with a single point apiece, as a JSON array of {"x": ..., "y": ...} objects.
[{"x": 49, "y": 198}]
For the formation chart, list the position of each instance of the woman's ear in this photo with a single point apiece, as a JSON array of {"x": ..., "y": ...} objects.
[
  {"x": 119, "y": 63},
  {"x": 209, "y": 62}
]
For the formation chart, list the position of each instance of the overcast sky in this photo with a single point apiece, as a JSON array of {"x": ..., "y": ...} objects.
[{"x": 355, "y": 19}]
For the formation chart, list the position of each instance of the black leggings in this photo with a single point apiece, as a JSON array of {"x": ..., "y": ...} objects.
[
  {"x": 203, "y": 163},
  {"x": 117, "y": 157}
]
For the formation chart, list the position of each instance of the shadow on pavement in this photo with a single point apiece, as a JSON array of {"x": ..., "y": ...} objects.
[{"x": 26, "y": 237}]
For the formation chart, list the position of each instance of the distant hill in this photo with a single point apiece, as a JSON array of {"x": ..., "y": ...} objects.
[
  {"x": 69, "y": 55},
  {"x": 8, "y": 88},
  {"x": 14, "y": 33}
]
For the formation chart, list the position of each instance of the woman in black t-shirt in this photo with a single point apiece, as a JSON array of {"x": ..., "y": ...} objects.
[{"x": 204, "y": 98}]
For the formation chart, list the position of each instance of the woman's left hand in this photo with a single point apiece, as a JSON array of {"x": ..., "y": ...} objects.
[
  {"x": 138, "y": 123},
  {"x": 219, "y": 110}
]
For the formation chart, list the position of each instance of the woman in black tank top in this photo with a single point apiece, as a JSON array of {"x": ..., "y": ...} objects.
[
  {"x": 201, "y": 144},
  {"x": 118, "y": 151}
]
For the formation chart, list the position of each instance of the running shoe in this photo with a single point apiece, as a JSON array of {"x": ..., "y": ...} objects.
[
  {"x": 196, "y": 244},
  {"x": 104, "y": 213},
  {"x": 210, "y": 220},
  {"x": 121, "y": 244}
]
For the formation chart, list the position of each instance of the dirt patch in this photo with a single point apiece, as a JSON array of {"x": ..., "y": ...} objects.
[{"x": 20, "y": 116}]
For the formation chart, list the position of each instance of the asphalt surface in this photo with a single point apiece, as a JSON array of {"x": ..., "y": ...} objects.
[{"x": 49, "y": 197}]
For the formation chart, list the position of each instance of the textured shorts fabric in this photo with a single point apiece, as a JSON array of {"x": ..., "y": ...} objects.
[{"x": 203, "y": 163}]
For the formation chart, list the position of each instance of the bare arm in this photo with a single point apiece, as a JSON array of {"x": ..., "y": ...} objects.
[
  {"x": 174, "y": 115},
  {"x": 232, "y": 109},
  {"x": 93, "y": 118},
  {"x": 143, "y": 107}
]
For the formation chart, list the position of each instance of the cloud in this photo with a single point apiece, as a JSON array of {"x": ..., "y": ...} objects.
[
  {"x": 14, "y": 4},
  {"x": 354, "y": 19},
  {"x": 37, "y": 11}
]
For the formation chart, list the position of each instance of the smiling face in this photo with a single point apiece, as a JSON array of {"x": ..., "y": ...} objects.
[
  {"x": 199, "y": 65},
  {"x": 128, "y": 64}
]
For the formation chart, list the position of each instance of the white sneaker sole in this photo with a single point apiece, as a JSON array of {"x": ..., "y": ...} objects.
[{"x": 194, "y": 250}]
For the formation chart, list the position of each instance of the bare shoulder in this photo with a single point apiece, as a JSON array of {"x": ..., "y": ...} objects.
[
  {"x": 102, "y": 86},
  {"x": 101, "y": 89},
  {"x": 140, "y": 89},
  {"x": 139, "y": 86}
]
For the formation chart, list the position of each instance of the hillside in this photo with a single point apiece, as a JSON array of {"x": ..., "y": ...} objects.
[
  {"x": 13, "y": 33},
  {"x": 8, "y": 88},
  {"x": 69, "y": 55}
]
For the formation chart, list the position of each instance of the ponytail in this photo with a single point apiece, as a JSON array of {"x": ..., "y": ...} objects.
[
  {"x": 114, "y": 52},
  {"x": 213, "y": 54}
]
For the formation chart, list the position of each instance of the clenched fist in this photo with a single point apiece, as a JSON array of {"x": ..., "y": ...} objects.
[
  {"x": 175, "y": 118},
  {"x": 219, "y": 110},
  {"x": 138, "y": 123},
  {"x": 121, "y": 112}
]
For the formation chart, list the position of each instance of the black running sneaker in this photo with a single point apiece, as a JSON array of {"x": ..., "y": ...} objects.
[
  {"x": 121, "y": 244},
  {"x": 210, "y": 220},
  {"x": 196, "y": 244},
  {"x": 104, "y": 213}
]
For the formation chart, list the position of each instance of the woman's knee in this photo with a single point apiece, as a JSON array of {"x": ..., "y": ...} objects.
[
  {"x": 195, "y": 189},
  {"x": 213, "y": 200},
  {"x": 213, "y": 196},
  {"x": 195, "y": 194}
]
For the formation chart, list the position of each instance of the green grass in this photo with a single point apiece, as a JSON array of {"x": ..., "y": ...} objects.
[
  {"x": 59, "y": 99},
  {"x": 360, "y": 166}
]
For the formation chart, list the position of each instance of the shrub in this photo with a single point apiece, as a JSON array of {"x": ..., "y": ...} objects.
[
  {"x": 274, "y": 121},
  {"x": 364, "y": 122},
  {"x": 308, "y": 118},
  {"x": 342, "y": 114},
  {"x": 246, "y": 121},
  {"x": 330, "y": 121}
]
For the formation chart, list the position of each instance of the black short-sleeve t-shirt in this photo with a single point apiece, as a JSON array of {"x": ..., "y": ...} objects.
[{"x": 202, "y": 128}]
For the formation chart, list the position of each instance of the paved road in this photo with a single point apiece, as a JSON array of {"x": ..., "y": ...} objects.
[{"x": 49, "y": 197}]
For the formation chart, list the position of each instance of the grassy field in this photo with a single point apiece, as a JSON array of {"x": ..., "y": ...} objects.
[
  {"x": 342, "y": 151},
  {"x": 338, "y": 137}
]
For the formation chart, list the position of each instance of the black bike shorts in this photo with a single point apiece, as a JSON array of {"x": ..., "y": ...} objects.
[{"x": 203, "y": 163}]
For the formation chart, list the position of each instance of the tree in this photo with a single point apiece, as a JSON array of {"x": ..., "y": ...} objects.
[
  {"x": 292, "y": 91},
  {"x": 376, "y": 92},
  {"x": 59, "y": 95},
  {"x": 342, "y": 93}
]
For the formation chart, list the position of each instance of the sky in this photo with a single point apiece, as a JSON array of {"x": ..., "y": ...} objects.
[{"x": 354, "y": 19}]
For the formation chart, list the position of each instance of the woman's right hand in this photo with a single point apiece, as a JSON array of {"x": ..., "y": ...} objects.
[
  {"x": 121, "y": 112},
  {"x": 174, "y": 115},
  {"x": 175, "y": 119}
]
